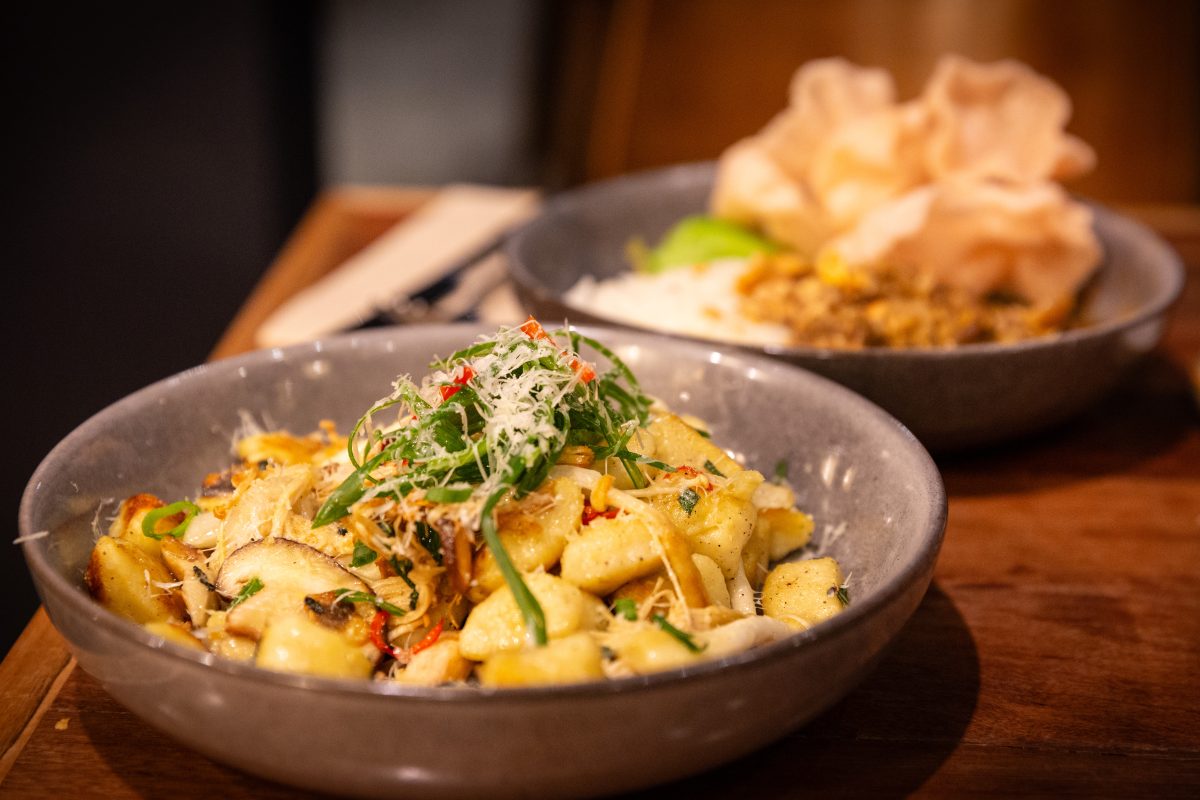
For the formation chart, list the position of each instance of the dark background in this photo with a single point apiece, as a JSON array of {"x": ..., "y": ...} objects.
[
  {"x": 156, "y": 161},
  {"x": 159, "y": 154}
]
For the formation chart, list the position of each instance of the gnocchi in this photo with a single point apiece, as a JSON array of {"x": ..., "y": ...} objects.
[{"x": 521, "y": 517}]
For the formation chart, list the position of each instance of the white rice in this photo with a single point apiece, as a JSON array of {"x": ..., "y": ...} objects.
[{"x": 700, "y": 300}]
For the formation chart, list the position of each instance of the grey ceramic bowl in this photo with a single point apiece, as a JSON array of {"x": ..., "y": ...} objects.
[
  {"x": 852, "y": 463},
  {"x": 950, "y": 398}
]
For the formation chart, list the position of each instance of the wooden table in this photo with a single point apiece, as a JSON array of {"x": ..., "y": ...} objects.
[{"x": 1057, "y": 652}]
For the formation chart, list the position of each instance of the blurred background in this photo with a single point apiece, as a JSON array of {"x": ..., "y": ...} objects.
[{"x": 160, "y": 154}]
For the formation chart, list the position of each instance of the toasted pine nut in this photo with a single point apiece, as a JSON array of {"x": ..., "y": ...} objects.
[
  {"x": 577, "y": 456},
  {"x": 600, "y": 493}
]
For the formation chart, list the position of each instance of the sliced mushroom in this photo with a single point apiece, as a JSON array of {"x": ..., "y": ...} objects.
[
  {"x": 204, "y": 531},
  {"x": 266, "y": 505},
  {"x": 189, "y": 565},
  {"x": 287, "y": 572}
]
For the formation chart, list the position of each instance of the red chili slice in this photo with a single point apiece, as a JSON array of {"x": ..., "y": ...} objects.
[
  {"x": 692, "y": 472},
  {"x": 451, "y": 389},
  {"x": 534, "y": 330},
  {"x": 429, "y": 639},
  {"x": 377, "y": 637},
  {"x": 590, "y": 513}
]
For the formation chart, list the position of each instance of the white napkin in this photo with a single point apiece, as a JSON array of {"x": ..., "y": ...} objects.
[{"x": 459, "y": 222}]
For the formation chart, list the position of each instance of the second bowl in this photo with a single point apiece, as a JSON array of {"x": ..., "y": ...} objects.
[{"x": 951, "y": 398}]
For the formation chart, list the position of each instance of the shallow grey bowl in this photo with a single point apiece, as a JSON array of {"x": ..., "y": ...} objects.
[
  {"x": 950, "y": 398},
  {"x": 853, "y": 466}
]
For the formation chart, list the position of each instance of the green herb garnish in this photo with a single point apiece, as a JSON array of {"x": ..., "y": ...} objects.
[
  {"x": 448, "y": 494},
  {"x": 843, "y": 595},
  {"x": 626, "y": 608},
  {"x": 684, "y": 639},
  {"x": 781, "y": 471},
  {"x": 688, "y": 499},
  {"x": 712, "y": 469},
  {"x": 497, "y": 435},
  {"x": 430, "y": 540},
  {"x": 403, "y": 566},
  {"x": 348, "y": 596},
  {"x": 363, "y": 555},
  {"x": 151, "y": 519},
  {"x": 531, "y": 609},
  {"x": 251, "y": 588}
]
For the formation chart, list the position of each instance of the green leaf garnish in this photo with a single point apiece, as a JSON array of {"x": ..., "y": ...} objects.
[
  {"x": 251, "y": 588},
  {"x": 626, "y": 608},
  {"x": 684, "y": 638},
  {"x": 497, "y": 435},
  {"x": 531, "y": 610},
  {"x": 638, "y": 458},
  {"x": 688, "y": 499},
  {"x": 338, "y": 504},
  {"x": 448, "y": 494},
  {"x": 430, "y": 540},
  {"x": 349, "y": 596},
  {"x": 712, "y": 469},
  {"x": 699, "y": 240},
  {"x": 150, "y": 521},
  {"x": 403, "y": 566},
  {"x": 843, "y": 595},
  {"x": 363, "y": 555}
]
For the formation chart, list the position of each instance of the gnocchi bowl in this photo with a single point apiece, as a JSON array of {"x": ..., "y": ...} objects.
[{"x": 875, "y": 499}]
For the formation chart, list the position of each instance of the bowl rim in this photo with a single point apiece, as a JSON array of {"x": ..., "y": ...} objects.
[
  {"x": 71, "y": 595},
  {"x": 567, "y": 201}
]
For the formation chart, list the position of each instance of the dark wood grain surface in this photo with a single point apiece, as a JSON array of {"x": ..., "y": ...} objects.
[{"x": 1057, "y": 652}]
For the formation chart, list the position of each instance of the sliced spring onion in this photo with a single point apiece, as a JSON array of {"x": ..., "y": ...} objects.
[
  {"x": 448, "y": 494},
  {"x": 338, "y": 503},
  {"x": 626, "y": 608},
  {"x": 684, "y": 639},
  {"x": 531, "y": 610},
  {"x": 349, "y": 596},
  {"x": 150, "y": 521}
]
